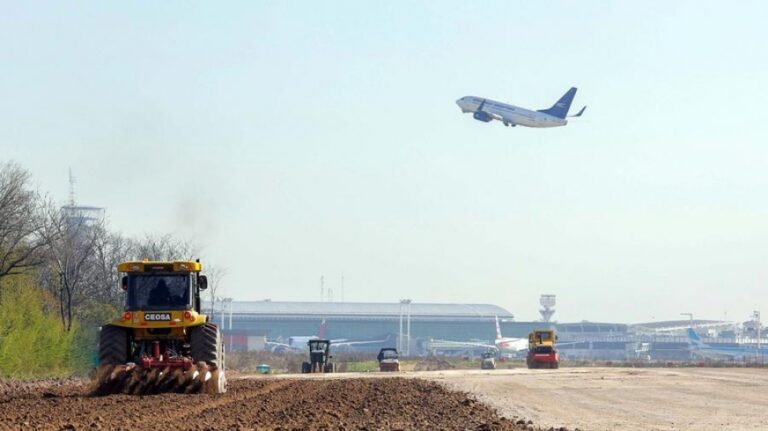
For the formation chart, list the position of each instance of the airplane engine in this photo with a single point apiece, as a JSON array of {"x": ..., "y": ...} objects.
[{"x": 482, "y": 116}]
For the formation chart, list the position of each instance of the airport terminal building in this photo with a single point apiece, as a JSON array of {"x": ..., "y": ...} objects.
[
  {"x": 252, "y": 322},
  {"x": 259, "y": 325}
]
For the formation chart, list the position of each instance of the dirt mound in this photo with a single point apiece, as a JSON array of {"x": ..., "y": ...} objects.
[{"x": 277, "y": 404}]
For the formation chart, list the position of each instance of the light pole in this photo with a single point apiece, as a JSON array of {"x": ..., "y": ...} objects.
[
  {"x": 400, "y": 332},
  {"x": 403, "y": 304},
  {"x": 220, "y": 300},
  {"x": 756, "y": 317},
  {"x": 228, "y": 301},
  {"x": 408, "y": 329}
]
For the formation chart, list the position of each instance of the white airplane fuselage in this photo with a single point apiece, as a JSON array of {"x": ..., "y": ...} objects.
[
  {"x": 511, "y": 344},
  {"x": 510, "y": 115},
  {"x": 508, "y": 344}
]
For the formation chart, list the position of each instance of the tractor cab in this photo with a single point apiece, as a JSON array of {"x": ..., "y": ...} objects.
[
  {"x": 319, "y": 357},
  {"x": 318, "y": 350},
  {"x": 387, "y": 353},
  {"x": 488, "y": 361},
  {"x": 388, "y": 359},
  {"x": 161, "y": 286}
]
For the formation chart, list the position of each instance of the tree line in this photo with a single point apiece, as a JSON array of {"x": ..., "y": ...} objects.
[{"x": 69, "y": 256}]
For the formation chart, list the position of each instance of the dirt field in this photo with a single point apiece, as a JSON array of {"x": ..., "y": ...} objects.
[
  {"x": 583, "y": 398},
  {"x": 624, "y": 399},
  {"x": 264, "y": 403}
]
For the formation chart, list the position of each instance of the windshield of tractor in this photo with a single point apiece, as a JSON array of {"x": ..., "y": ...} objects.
[
  {"x": 388, "y": 354},
  {"x": 159, "y": 292}
]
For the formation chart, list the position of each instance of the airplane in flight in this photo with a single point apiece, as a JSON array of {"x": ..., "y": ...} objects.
[
  {"x": 486, "y": 110},
  {"x": 701, "y": 348}
]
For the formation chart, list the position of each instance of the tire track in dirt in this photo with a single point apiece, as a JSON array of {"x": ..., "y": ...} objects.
[{"x": 238, "y": 395}]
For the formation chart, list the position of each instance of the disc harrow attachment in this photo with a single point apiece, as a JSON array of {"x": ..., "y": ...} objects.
[{"x": 133, "y": 379}]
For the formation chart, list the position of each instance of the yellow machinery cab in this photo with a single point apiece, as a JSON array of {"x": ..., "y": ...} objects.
[{"x": 162, "y": 297}]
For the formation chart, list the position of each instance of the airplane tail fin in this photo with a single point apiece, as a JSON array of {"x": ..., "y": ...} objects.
[
  {"x": 498, "y": 329},
  {"x": 321, "y": 331},
  {"x": 694, "y": 339},
  {"x": 561, "y": 107}
]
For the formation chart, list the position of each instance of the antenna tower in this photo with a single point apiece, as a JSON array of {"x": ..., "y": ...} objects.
[
  {"x": 71, "y": 188},
  {"x": 322, "y": 288}
]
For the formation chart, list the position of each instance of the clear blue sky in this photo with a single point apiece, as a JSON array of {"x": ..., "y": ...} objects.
[{"x": 307, "y": 138}]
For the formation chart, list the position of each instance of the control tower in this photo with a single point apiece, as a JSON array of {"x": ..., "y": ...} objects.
[{"x": 548, "y": 302}]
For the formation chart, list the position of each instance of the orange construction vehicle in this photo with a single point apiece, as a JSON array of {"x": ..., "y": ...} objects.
[{"x": 541, "y": 349}]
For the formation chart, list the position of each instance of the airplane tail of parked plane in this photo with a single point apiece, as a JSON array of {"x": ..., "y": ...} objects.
[
  {"x": 321, "y": 331},
  {"x": 561, "y": 107},
  {"x": 498, "y": 329},
  {"x": 695, "y": 340}
]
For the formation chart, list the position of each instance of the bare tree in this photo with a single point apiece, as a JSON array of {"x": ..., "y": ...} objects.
[
  {"x": 73, "y": 252},
  {"x": 20, "y": 245},
  {"x": 70, "y": 245},
  {"x": 164, "y": 247},
  {"x": 103, "y": 284},
  {"x": 214, "y": 274}
]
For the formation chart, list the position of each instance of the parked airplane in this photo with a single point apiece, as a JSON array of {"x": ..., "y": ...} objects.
[
  {"x": 506, "y": 344},
  {"x": 702, "y": 349},
  {"x": 503, "y": 345},
  {"x": 299, "y": 342},
  {"x": 486, "y": 110}
]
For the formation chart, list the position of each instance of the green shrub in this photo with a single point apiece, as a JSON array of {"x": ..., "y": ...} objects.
[{"x": 33, "y": 342}]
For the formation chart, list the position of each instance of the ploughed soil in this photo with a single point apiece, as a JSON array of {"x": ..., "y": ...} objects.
[{"x": 258, "y": 404}]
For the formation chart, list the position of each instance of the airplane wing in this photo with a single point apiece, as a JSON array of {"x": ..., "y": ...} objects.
[
  {"x": 344, "y": 343},
  {"x": 500, "y": 117},
  {"x": 495, "y": 115},
  {"x": 274, "y": 346},
  {"x": 437, "y": 344}
]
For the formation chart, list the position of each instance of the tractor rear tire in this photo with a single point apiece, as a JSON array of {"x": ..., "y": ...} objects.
[
  {"x": 113, "y": 345},
  {"x": 306, "y": 368},
  {"x": 329, "y": 368},
  {"x": 206, "y": 345}
]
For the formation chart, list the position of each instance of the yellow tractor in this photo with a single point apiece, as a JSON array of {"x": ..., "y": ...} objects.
[{"x": 162, "y": 342}]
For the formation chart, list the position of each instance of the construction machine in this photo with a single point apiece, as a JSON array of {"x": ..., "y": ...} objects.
[
  {"x": 488, "y": 361},
  {"x": 319, "y": 357},
  {"x": 389, "y": 359},
  {"x": 541, "y": 349},
  {"x": 162, "y": 342}
]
